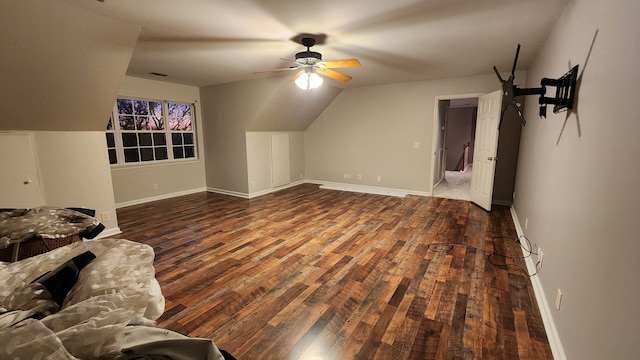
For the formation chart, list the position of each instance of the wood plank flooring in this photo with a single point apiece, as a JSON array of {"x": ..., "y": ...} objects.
[{"x": 307, "y": 273}]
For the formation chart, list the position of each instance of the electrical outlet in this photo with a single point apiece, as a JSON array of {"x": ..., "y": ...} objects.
[
  {"x": 540, "y": 255},
  {"x": 379, "y": 178},
  {"x": 155, "y": 186},
  {"x": 558, "y": 299},
  {"x": 105, "y": 216},
  {"x": 359, "y": 176}
]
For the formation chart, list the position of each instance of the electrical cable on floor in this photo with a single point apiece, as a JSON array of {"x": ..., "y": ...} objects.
[{"x": 447, "y": 246}]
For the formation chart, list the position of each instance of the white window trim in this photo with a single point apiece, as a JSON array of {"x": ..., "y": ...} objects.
[{"x": 168, "y": 132}]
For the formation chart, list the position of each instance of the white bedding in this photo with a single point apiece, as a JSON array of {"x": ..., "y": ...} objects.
[{"x": 115, "y": 290}]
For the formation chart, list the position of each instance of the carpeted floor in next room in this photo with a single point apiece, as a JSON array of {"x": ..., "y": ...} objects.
[{"x": 456, "y": 185}]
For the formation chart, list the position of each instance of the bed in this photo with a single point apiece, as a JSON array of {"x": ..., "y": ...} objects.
[
  {"x": 95, "y": 299},
  {"x": 28, "y": 232}
]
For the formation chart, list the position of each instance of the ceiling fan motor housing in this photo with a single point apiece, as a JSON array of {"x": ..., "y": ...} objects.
[{"x": 308, "y": 57}]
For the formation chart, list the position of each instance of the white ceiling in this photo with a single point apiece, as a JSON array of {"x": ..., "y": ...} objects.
[{"x": 209, "y": 42}]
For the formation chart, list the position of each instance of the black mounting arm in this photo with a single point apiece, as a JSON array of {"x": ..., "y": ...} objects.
[
  {"x": 562, "y": 101},
  {"x": 565, "y": 92}
]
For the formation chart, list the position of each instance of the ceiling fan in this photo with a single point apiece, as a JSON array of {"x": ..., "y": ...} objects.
[{"x": 310, "y": 66}]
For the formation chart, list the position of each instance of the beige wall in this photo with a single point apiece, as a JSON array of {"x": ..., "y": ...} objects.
[
  {"x": 74, "y": 169},
  {"x": 577, "y": 181},
  {"x": 61, "y": 66},
  {"x": 371, "y": 131},
  {"x": 228, "y": 111},
  {"x": 134, "y": 184},
  {"x": 236, "y": 151},
  {"x": 259, "y": 160}
]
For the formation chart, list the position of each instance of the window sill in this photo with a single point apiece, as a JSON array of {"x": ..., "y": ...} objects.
[{"x": 153, "y": 164}]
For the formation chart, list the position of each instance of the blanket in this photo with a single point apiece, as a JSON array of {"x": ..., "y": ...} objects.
[
  {"x": 109, "y": 311},
  {"x": 48, "y": 222}
]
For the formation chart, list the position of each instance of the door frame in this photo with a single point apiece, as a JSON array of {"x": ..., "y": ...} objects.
[{"x": 436, "y": 132}]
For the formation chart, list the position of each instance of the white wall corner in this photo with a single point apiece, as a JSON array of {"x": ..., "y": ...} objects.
[{"x": 545, "y": 310}]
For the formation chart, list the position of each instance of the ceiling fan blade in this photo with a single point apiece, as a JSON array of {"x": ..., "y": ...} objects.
[
  {"x": 334, "y": 75},
  {"x": 297, "y": 75},
  {"x": 277, "y": 70},
  {"x": 335, "y": 64}
]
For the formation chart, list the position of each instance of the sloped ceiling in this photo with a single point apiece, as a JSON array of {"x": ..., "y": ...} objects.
[
  {"x": 205, "y": 42},
  {"x": 61, "y": 65},
  {"x": 292, "y": 109}
]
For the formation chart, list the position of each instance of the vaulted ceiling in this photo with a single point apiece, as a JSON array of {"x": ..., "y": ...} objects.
[{"x": 210, "y": 42}]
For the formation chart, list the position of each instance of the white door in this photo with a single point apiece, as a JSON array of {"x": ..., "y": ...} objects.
[
  {"x": 280, "y": 174},
  {"x": 485, "y": 149},
  {"x": 19, "y": 174}
]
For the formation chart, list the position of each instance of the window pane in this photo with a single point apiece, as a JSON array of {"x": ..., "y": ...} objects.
[
  {"x": 142, "y": 123},
  {"x": 126, "y": 123},
  {"x": 131, "y": 155},
  {"x": 144, "y": 139},
  {"x": 146, "y": 154},
  {"x": 161, "y": 153},
  {"x": 178, "y": 152},
  {"x": 179, "y": 116},
  {"x": 188, "y": 138},
  {"x": 125, "y": 106},
  {"x": 129, "y": 140},
  {"x": 159, "y": 139},
  {"x": 156, "y": 121},
  {"x": 189, "y": 152},
  {"x": 176, "y": 138},
  {"x": 113, "y": 158},
  {"x": 110, "y": 124},
  {"x": 111, "y": 140},
  {"x": 141, "y": 107}
]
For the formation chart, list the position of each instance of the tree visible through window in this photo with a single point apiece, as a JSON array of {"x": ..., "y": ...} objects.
[{"x": 140, "y": 133}]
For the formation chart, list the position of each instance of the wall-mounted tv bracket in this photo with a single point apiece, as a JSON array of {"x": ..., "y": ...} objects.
[{"x": 562, "y": 101}]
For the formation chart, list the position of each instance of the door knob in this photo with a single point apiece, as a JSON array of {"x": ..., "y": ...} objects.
[
  {"x": 27, "y": 182},
  {"x": 491, "y": 158}
]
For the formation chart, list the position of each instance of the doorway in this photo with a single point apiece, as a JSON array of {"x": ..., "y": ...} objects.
[{"x": 455, "y": 140}]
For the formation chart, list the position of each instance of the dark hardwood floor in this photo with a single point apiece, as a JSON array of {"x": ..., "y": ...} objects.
[{"x": 306, "y": 273}]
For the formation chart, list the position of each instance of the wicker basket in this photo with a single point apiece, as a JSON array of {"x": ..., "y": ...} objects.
[{"x": 34, "y": 246}]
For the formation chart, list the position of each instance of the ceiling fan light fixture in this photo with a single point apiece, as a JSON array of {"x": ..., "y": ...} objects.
[{"x": 309, "y": 80}]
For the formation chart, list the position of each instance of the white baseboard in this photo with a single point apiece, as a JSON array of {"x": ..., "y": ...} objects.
[
  {"x": 228, "y": 192},
  {"x": 254, "y": 194},
  {"x": 159, "y": 197},
  {"x": 545, "y": 309},
  {"x": 367, "y": 189}
]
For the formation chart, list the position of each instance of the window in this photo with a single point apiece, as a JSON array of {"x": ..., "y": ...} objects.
[{"x": 143, "y": 132}]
